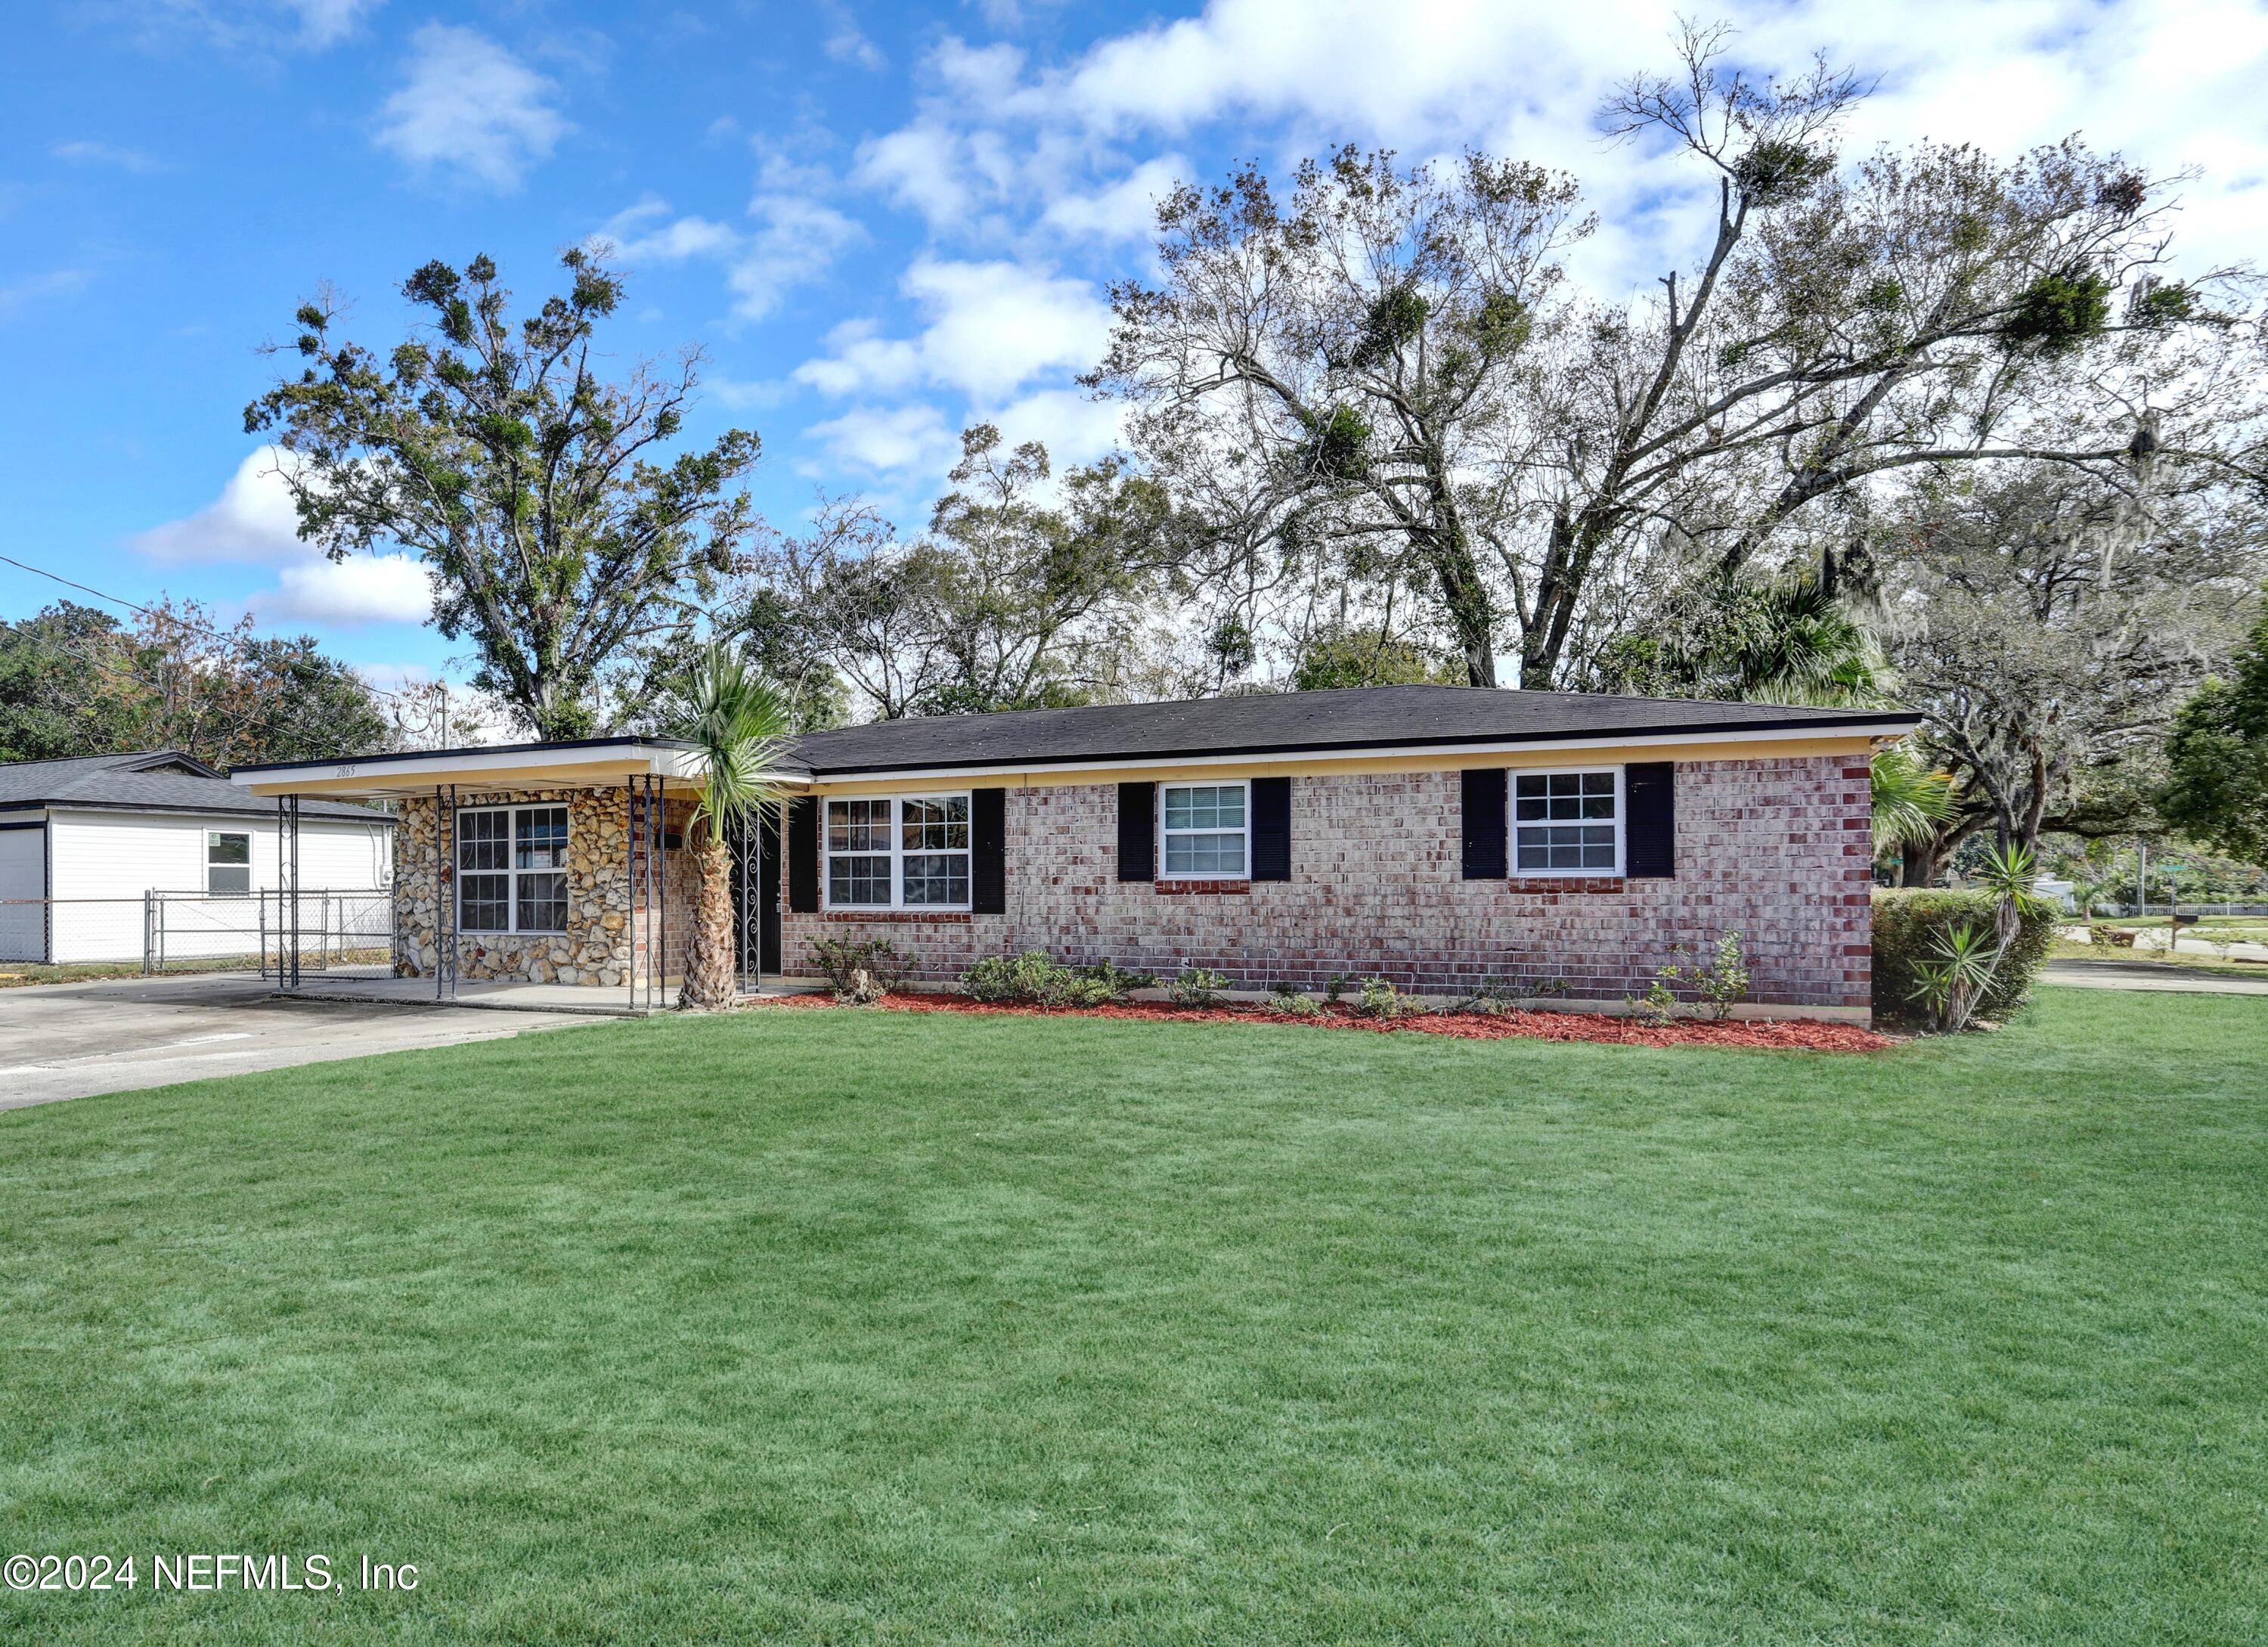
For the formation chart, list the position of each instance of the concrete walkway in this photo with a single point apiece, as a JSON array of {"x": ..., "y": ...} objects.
[
  {"x": 2150, "y": 975},
  {"x": 72, "y": 1040}
]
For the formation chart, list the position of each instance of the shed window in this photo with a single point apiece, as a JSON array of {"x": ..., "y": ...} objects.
[
  {"x": 228, "y": 862},
  {"x": 1566, "y": 822},
  {"x": 1205, "y": 832},
  {"x": 512, "y": 869}
]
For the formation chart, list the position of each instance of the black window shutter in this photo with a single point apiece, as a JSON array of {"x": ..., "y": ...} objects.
[
  {"x": 1272, "y": 829},
  {"x": 988, "y": 855},
  {"x": 1650, "y": 833},
  {"x": 803, "y": 854},
  {"x": 1484, "y": 825},
  {"x": 1138, "y": 806}
]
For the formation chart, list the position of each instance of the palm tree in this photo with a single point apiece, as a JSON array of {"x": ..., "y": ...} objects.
[
  {"x": 1910, "y": 802},
  {"x": 738, "y": 720},
  {"x": 1760, "y": 640}
]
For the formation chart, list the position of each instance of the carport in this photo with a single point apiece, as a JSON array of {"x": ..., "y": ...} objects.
[{"x": 544, "y": 875}]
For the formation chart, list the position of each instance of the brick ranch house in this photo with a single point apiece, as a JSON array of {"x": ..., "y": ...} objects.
[{"x": 1563, "y": 843}]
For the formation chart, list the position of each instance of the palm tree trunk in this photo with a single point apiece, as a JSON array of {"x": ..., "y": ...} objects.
[{"x": 711, "y": 981}]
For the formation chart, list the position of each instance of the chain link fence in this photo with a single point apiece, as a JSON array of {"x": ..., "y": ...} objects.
[{"x": 346, "y": 932}]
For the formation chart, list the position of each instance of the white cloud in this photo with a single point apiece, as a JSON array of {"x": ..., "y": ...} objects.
[
  {"x": 794, "y": 240},
  {"x": 1073, "y": 426},
  {"x": 846, "y": 43},
  {"x": 54, "y": 284},
  {"x": 797, "y": 240},
  {"x": 998, "y": 145},
  {"x": 87, "y": 153},
  {"x": 1125, "y": 211},
  {"x": 883, "y": 438},
  {"x": 251, "y": 520},
  {"x": 471, "y": 109},
  {"x": 360, "y": 589},
  {"x": 325, "y": 22},
  {"x": 682, "y": 238},
  {"x": 259, "y": 26},
  {"x": 920, "y": 167},
  {"x": 992, "y": 328}
]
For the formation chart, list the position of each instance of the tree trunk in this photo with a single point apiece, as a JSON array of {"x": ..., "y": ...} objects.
[
  {"x": 712, "y": 979},
  {"x": 1919, "y": 864}
]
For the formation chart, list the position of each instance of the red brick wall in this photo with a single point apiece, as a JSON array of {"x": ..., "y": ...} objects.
[{"x": 1778, "y": 849}]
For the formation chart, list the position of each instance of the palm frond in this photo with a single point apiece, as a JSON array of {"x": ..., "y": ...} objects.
[
  {"x": 1910, "y": 802},
  {"x": 739, "y": 721}
]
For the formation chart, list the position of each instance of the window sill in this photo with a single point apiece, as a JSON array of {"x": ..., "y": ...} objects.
[
  {"x": 911, "y": 916},
  {"x": 1566, "y": 883},
  {"x": 1166, "y": 887}
]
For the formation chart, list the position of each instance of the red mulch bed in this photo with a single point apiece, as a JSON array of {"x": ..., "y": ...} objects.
[{"x": 1808, "y": 1035}]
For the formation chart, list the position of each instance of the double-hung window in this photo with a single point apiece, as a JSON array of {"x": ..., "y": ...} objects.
[
  {"x": 512, "y": 869},
  {"x": 907, "y": 852},
  {"x": 228, "y": 862},
  {"x": 1567, "y": 823},
  {"x": 1207, "y": 831}
]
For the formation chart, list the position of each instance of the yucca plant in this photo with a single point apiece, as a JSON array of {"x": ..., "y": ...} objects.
[
  {"x": 737, "y": 719},
  {"x": 2010, "y": 874},
  {"x": 1950, "y": 985}
]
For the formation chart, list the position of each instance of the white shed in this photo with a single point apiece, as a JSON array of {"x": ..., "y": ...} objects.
[{"x": 84, "y": 843}]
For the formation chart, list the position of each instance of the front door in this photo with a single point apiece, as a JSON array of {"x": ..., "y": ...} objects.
[{"x": 756, "y": 898}]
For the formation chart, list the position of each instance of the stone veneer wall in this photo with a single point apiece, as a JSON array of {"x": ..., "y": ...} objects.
[
  {"x": 1779, "y": 849},
  {"x": 601, "y": 926}
]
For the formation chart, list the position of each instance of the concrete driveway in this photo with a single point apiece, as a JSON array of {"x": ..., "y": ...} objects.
[{"x": 71, "y": 1040}]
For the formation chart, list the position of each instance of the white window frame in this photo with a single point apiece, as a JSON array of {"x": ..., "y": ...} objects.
[
  {"x": 213, "y": 836},
  {"x": 510, "y": 872},
  {"x": 1512, "y": 822},
  {"x": 895, "y": 832},
  {"x": 1164, "y": 835}
]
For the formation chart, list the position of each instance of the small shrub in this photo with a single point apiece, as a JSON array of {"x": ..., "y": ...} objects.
[
  {"x": 842, "y": 959},
  {"x": 1121, "y": 983},
  {"x": 1198, "y": 987},
  {"x": 1380, "y": 1000},
  {"x": 1717, "y": 984},
  {"x": 1908, "y": 922},
  {"x": 1336, "y": 987},
  {"x": 1659, "y": 1004},
  {"x": 1035, "y": 979},
  {"x": 1291, "y": 1001},
  {"x": 2109, "y": 937},
  {"x": 1490, "y": 998}
]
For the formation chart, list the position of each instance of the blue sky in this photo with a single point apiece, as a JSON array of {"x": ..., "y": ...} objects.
[{"x": 880, "y": 221}]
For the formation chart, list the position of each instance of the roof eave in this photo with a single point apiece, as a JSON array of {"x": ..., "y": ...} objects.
[{"x": 1854, "y": 727}]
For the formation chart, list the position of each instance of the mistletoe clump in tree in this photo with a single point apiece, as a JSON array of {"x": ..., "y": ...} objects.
[{"x": 532, "y": 488}]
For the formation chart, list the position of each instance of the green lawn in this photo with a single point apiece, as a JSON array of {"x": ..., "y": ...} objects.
[{"x": 837, "y": 1327}]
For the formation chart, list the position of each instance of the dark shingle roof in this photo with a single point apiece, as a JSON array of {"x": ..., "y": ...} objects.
[
  {"x": 160, "y": 780},
  {"x": 1348, "y": 721}
]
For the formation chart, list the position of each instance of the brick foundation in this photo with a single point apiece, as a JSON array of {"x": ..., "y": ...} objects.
[{"x": 1778, "y": 849}]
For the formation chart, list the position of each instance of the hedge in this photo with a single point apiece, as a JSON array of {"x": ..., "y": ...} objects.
[{"x": 1907, "y": 920}]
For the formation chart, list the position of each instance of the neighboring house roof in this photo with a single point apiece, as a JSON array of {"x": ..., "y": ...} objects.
[
  {"x": 1346, "y": 722},
  {"x": 151, "y": 781}
]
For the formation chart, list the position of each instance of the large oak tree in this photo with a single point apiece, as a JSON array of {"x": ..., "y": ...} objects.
[{"x": 534, "y": 489}]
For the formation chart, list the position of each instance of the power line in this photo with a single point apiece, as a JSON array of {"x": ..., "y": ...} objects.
[{"x": 206, "y": 630}]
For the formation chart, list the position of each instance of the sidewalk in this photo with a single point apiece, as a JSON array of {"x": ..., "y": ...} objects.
[{"x": 2150, "y": 975}]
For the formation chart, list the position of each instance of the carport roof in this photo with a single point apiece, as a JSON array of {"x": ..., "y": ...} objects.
[
  {"x": 146, "y": 780},
  {"x": 572, "y": 764}
]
